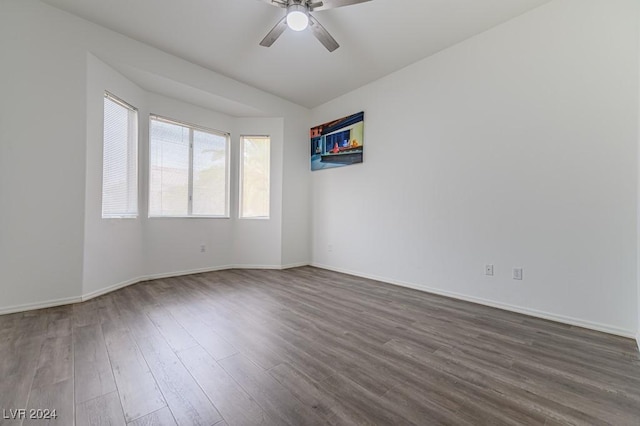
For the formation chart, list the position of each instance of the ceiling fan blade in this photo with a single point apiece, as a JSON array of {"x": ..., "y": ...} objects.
[
  {"x": 332, "y": 4},
  {"x": 276, "y": 32},
  {"x": 278, "y": 3},
  {"x": 323, "y": 35}
]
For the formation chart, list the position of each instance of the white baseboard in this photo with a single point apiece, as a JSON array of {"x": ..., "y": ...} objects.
[
  {"x": 274, "y": 267},
  {"x": 500, "y": 305},
  {"x": 114, "y": 287},
  {"x": 105, "y": 290},
  {"x": 162, "y": 275},
  {"x": 295, "y": 265},
  {"x": 254, "y": 266},
  {"x": 184, "y": 272},
  {"x": 39, "y": 305}
]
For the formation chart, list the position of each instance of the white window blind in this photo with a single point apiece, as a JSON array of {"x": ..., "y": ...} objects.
[
  {"x": 255, "y": 176},
  {"x": 188, "y": 170},
  {"x": 120, "y": 159}
]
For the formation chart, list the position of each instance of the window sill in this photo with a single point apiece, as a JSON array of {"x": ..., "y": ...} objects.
[{"x": 189, "y": 217}]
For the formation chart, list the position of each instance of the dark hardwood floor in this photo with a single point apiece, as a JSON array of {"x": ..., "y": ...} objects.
[{"x": 307, "y": 347}]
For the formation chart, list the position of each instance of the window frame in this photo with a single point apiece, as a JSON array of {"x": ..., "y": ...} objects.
[
  {"x": 130, "y": 161},
  {"x": 241, "y": 178},
  {"x": 192, "y": 128}
]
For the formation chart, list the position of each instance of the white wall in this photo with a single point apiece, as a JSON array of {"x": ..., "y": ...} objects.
[
  {"x": 638, "y": 226},
  {"x": 258, "y": 242},
  {"x": 42, "y": 168},
  {"x": 113, "y": 248},
  {"x": 517, "y": 147},
  {"x": 50, "y": 129},
  {"x": 119, "y": 251},
  {"x": 296, "y": 212},
  {"x": 173, "y": 244}
]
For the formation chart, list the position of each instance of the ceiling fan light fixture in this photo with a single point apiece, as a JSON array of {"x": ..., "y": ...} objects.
[{"x": 297, "y": 17}]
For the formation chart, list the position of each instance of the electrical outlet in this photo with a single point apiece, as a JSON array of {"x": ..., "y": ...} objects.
[
  {"x": 517, "y": 273},
  {"x": 488, "y": 270},
  {"x": 203, "y": 248},
  {"x": 330, "y": 248}
]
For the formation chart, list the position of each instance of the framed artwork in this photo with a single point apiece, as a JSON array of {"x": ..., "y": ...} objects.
[{"x": 338, "y": 143}]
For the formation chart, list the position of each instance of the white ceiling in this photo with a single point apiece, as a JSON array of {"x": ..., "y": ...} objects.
[{"x": 376, "y": 38}]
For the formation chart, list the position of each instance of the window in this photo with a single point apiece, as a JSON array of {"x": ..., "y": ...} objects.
[
  {"x": 120, "y": 159},
  {"x": 254, "y": 176},
  {"x": 188, "y": 170}
]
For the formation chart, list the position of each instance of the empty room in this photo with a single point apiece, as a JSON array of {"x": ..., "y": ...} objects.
[{"x": 301, "y": 212}]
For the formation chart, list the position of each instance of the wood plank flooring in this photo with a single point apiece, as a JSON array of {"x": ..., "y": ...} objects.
[{"x": 307, "y": 347}]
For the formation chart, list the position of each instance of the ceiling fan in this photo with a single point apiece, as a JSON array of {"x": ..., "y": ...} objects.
[{"x": 299, "y": 18}]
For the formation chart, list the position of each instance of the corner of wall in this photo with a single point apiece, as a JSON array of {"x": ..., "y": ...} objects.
[
  {"x": 638, "y": 187},
  {"x": 296, "y": 202}
]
